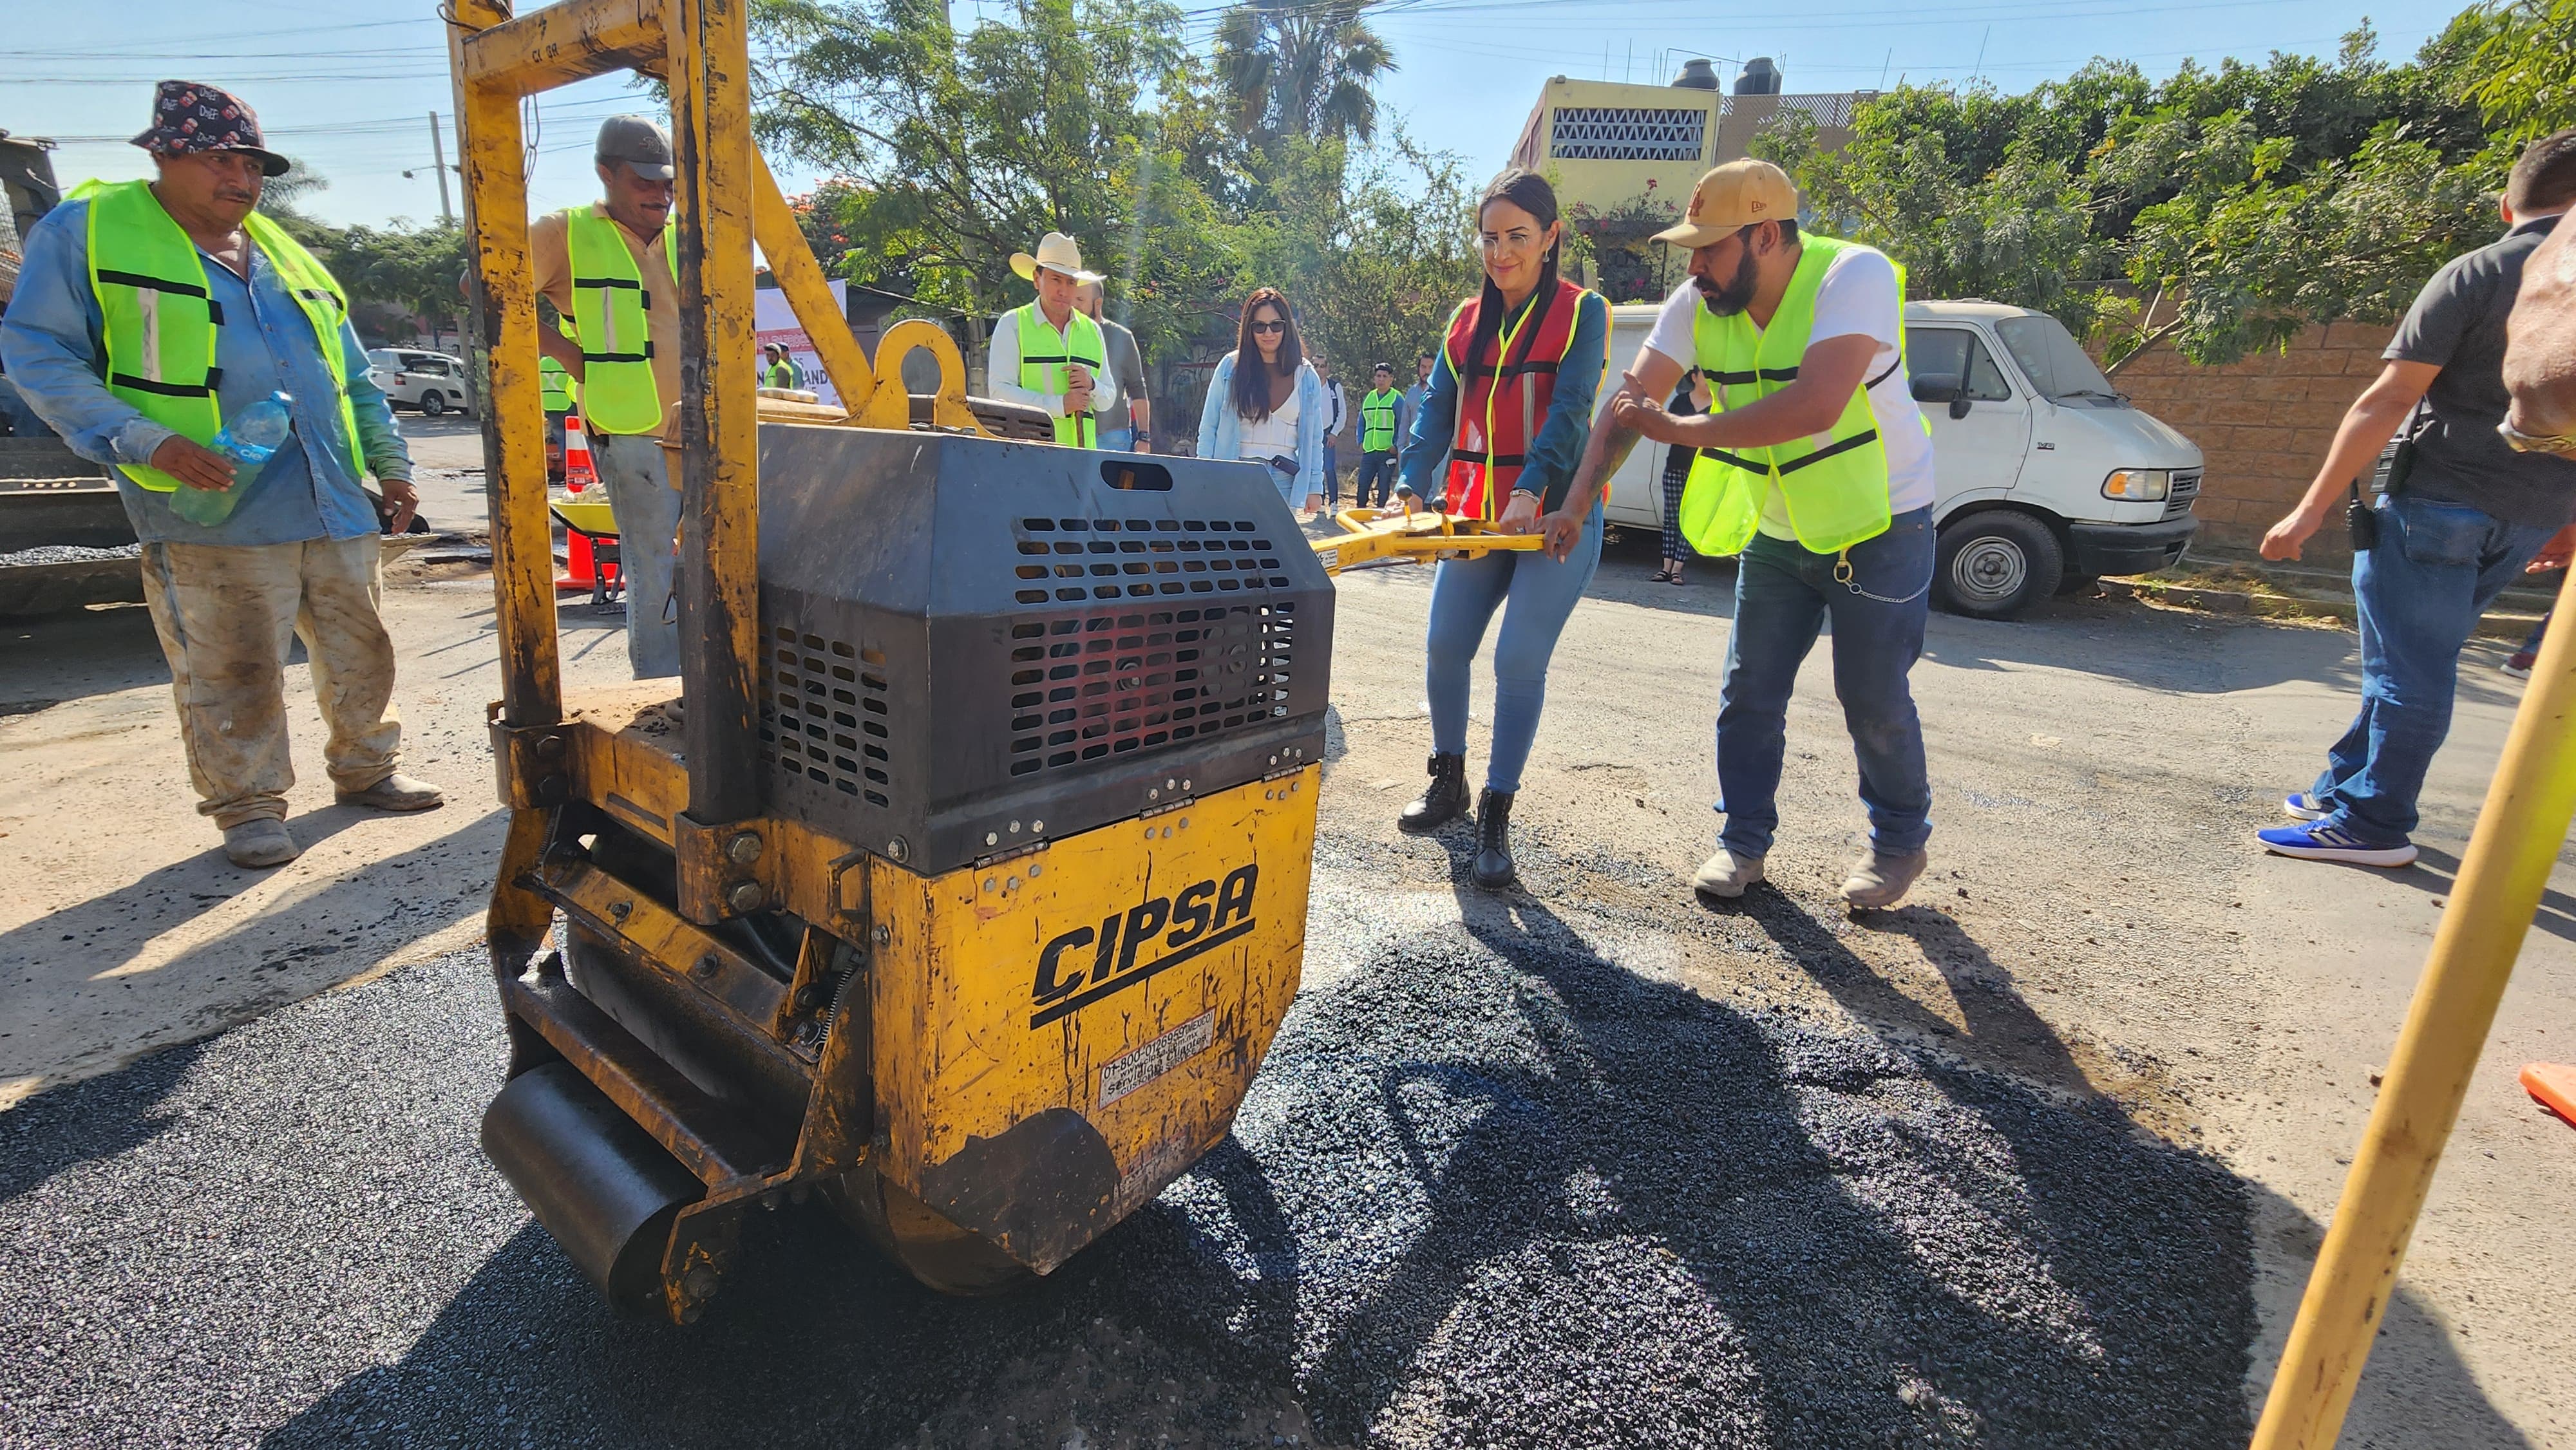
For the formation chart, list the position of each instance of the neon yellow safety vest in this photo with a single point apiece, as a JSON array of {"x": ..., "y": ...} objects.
[
  {"x": 557, "y": 385},
  {"x": 610, "y": 315},
  {"x": 1834, "y": 484},
  {"x": 1377, "y": 421},
  {"x": 1044, "y": 355},
  {"x": 161, "y": 322}
]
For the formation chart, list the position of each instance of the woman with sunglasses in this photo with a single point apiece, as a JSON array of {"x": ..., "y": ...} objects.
[
  {"x": 1510, "y": 407},
  {"x": 1269, "y": 410}
]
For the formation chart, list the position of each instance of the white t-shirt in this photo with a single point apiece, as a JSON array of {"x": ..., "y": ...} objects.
[{"x": 1857, "y": 298}]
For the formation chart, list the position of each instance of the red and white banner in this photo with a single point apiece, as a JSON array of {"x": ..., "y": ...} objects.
[{"x": 772, "y": 320}]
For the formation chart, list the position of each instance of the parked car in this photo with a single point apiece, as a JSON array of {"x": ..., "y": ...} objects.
[
  {"x": 430, "y": 381},
  {"x": 2047, "y": 478}
]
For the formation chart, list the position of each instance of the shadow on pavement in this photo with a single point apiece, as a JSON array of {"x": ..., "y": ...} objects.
[
  {"x": 1489, "y": 1188},
  {"x": 51, "y": 1132},
  {"x": 2437, "y": 871}
]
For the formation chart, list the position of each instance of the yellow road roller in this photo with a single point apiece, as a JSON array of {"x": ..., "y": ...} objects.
[{"x": 962, "y": 878}]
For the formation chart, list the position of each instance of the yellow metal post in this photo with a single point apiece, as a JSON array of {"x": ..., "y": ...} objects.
[
  {"x": 2517, "y": 841},
  {"x": 496, "y": 217},
  {"x": 809, "y": 292},
  {"x": 719, "y": 425}
]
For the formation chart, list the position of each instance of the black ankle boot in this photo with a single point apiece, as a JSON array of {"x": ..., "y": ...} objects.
[
  {"x": 1443, "y": 801},
  {"x": 1494, "y": 840}
]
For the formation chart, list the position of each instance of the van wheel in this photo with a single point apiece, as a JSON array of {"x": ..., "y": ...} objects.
[
  {"x": 1996, "y": 564},
  {"x": 431, "y": 404}
]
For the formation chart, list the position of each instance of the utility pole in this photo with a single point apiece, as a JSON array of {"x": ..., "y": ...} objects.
[{"x": 438, "y": 154}]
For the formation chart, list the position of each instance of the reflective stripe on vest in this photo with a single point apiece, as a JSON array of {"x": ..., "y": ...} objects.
[
  {"x": 1491, "y": 438},
  {"x": 1377, "y": 421},
  {"x": 556, "y": 383},
  {"x": 161, "y": 323},
  {"x": 1834, "y": 484},
  {"x": 611, "y": 315},
  {"x": 1044, "y": 355}
]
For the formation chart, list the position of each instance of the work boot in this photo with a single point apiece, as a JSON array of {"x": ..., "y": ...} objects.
[
  {"x": 260, "y": 842},
  {"x": 1443, "y": 801},
  {"x": 1494, "y": 840},
  {"x": 1725, "y": 875},
  {"x": 1879, "y": 881},
  {"x": 396, "y": 792}
]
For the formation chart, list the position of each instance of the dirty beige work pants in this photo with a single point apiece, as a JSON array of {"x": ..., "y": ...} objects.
[{"x": 227, "y": 615}]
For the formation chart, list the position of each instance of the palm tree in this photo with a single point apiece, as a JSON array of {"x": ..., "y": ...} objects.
[{"x": 1302, "y": 68}]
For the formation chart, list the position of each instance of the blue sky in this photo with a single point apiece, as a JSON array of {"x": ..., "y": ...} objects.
[{"x": 348, "y": 86}]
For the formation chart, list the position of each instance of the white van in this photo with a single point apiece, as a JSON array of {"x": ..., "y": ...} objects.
[{"x": 2048, "y": 478}]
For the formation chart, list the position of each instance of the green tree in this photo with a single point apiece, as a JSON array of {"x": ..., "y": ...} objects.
[
  {"x": 955, "y": 150},
  {"x": 2526, "y": 67},
  {"x": 1295, "y": 68},
  {"x": 2219, "y": 211}
]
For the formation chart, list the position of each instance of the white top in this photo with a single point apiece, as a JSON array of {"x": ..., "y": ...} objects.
[
  {"x": 1002, "y": 373},
  {"x": 1274, "y": 436},
  {"x": 1857, "y": 298}
]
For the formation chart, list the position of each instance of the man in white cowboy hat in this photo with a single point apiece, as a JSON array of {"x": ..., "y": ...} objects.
[{"x": 1049, "y": 354}]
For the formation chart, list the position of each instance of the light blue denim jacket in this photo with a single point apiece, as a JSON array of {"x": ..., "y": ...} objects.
[
  {"x": 51, "y": 344},
  {"x": 1221, "y": 429}
]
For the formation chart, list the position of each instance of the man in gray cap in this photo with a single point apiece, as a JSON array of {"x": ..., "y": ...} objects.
[
  {"x": 154, "y": 324},
  {"x": 612, "y": 268}
]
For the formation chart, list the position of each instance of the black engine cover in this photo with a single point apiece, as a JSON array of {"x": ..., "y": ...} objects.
[{"x": 971, "y": 645}]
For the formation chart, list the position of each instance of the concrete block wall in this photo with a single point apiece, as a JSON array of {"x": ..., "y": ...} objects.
[{"x": 2262, "y": 423}]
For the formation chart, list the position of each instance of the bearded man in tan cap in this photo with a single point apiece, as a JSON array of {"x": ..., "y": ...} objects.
[
  {"x": 1050, "y": 355},
  {"x": 1815, "y": 466}
]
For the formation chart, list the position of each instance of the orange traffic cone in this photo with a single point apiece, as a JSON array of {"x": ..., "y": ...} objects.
[
  {"x": 2554, "y": 1084},
  {"x": 578, "y": 472}
]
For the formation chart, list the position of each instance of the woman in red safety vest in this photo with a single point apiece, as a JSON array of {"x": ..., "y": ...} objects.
[{"x": 1510, "y": 408}]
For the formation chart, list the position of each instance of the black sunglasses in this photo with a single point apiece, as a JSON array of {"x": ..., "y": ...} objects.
[{"x": 1270, "y": 327}]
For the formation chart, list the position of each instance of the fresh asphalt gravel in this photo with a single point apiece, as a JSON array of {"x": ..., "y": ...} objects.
[{"x": 1491, "y": 1188}]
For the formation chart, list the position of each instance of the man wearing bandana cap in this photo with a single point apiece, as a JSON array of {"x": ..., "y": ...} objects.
[{"x": 146, "y": 315}]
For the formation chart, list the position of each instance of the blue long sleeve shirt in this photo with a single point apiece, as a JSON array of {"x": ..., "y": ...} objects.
[
  {"x": 1551, "y": 457},
  {"x": 52, "y": 344},
  {"x": 1221, "y": 428}
]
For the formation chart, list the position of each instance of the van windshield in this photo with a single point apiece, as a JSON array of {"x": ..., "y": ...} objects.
[{"x": 2057, "y": 366}]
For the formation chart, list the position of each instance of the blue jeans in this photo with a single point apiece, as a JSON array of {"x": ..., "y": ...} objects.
[
  {"x": 2419, "y": 592},
  {"x": 1378, "y": 467},
  {"x": 647, "y": 510},
  {"x": 1464, "y": 596},
  {"x": 1783, "y": 594}
]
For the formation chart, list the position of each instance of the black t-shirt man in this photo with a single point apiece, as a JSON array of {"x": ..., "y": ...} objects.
[{"x": 2457, "y": 325}]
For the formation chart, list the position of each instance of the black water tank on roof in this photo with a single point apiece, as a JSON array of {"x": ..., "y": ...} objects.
[
  {"x": 1760, "y": 78},
  {"x": 1697, "y": 75}
]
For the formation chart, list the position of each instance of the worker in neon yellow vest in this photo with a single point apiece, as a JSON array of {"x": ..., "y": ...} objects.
[
  {"x": 1049, "y": 354},
  {"x": 1816, "y": 467},
  {"x": 151, "y": 319},
  {"x": 611, "y": 269}
]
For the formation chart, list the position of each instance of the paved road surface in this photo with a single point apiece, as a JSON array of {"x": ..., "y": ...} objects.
[{"x": 2037, "y": 1160}]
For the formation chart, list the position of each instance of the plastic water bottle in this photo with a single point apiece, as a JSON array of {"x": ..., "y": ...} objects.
[{"x": 252, "y": 437}]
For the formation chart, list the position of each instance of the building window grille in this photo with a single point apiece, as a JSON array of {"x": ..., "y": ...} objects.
[{"x": 1628, "y": 133}]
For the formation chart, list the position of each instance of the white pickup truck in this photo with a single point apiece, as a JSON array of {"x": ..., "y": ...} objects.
[{"x": 2047, "y": 478}]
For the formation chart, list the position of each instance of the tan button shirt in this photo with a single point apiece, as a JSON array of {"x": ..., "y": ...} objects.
[{"x": 552, "y": 255}]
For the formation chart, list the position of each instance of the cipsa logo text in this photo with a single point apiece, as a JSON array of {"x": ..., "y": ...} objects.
[{"x": 1201, "y": 918}]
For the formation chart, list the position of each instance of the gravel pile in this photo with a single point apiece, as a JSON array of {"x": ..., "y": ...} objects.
[
  {"x": 66, "y": 554},
  {"x": 1489, "y": 1190}
]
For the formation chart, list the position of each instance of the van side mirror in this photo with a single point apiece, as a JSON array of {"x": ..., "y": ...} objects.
[
  {"x": 1959, "y": 406},
  {"x": 1937, "y": 387}
]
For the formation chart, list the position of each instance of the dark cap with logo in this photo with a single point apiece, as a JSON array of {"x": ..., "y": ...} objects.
[
  {"x": 189, "y": 118},
  {"x": 637, "y": 143}
]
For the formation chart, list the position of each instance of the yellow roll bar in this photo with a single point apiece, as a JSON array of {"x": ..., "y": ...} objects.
[
  {"x": 2519, "y": 834},
  {"x": 1417, "y": 537}
]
